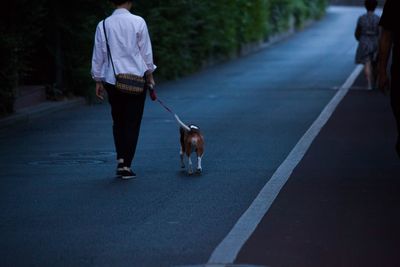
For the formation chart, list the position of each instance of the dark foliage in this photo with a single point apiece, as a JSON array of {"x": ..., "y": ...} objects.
[{"x": 50, "y": 42}]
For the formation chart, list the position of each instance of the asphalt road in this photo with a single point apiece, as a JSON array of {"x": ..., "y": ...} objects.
[
  {"x": 61, "y": 206},
  {"x": 340, "y": 206}
]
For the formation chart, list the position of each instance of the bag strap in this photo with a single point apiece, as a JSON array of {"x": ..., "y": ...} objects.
[{"x": 108, "y": 47}]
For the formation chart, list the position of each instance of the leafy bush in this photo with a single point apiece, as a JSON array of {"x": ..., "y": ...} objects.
[
  {"x": 50, "y": 42},
  {"x": 189, "y": 34},
  {"x": 20, "y": 29},
  {"x": 69, "y": 41}
]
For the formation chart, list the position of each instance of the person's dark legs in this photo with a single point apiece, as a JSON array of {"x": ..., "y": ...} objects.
[
  {"x": 395, "y": 102},
  {"x": 117, "y": 113},
  {"x": 126, "y": 112},
  {"x": 134, "y": 111}
]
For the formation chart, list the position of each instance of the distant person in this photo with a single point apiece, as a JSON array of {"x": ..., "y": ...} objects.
[
  {"x": 367, "y": 35},
  {"x": 131, "y": 50},
  {"x": 389, "y": 42}
]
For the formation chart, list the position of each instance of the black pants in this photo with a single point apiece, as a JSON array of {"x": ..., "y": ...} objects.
[
  {"x": 395, "y": 97},
  {"x": 127, "y": 113}
]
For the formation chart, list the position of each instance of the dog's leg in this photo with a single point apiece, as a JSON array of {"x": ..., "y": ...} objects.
[
  {"x": 199, "y": 169},
  {"x": 182, "y": 161},
  {"x": 190, "y": 169},
  {"x": 199, "y": 153},
  {"x": 188, "y": 151}
]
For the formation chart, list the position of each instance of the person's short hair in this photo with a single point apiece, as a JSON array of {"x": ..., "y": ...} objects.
[
  {"x": 371, "y": 5},
  {"x": 119, "y": 2}
]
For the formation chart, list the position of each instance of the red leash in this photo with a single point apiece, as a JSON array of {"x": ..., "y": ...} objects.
[
  {"x": 165, "y": 106},
  {"x": 173, "y": 113}
]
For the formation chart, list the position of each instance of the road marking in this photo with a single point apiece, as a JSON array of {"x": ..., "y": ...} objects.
[{"x": 226, "y": 252}]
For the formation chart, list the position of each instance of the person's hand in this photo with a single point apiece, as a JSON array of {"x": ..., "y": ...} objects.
[
  {"x": 152, "y": 92},
  {"x": 383, "y": 82},
  {"x": 100, "y": 90}
]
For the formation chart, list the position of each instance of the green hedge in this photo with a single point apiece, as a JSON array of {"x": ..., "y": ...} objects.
[
  {"x": 19, "y": 33},
  {"x": 188, "y": 34},
  {"x": 47, "y": 42},
  {"x": 50, "y": 42}
]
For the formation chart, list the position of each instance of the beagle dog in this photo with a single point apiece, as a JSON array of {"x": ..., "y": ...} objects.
[{"x": 191, "y": 140}]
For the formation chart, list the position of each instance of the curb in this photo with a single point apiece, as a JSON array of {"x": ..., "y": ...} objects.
[{"x": 37, "y": 111}]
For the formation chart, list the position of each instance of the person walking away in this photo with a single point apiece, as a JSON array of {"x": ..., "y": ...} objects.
[
  {"x": 389, "y": 42},
  {"x": 367, "y": 35},
  {"x": 129, "y": 51}
]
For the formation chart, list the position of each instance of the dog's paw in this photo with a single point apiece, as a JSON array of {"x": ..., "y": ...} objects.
[
  {"x": 183, "y": 166},
  {"x": 199, "y": 171}
]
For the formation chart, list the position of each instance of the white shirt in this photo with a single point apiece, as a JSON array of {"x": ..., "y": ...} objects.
[{"x": 129, "y": 43}]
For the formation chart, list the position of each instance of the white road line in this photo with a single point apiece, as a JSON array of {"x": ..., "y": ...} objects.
[{"x": 226, "y": 252}]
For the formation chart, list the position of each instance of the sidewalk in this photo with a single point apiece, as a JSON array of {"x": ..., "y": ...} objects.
[
  {"x": 341, "y": 205},
  {"x": 35, "y": 111}
]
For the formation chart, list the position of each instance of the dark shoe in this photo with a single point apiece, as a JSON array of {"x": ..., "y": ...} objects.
[
  {"x": 127, "y": 173},
  {"x": 398, "y": 146},
  {"x": 120, "y": 167}
]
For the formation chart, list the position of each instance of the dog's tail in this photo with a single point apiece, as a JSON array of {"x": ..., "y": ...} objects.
[{"x": 184, "y": 126}]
